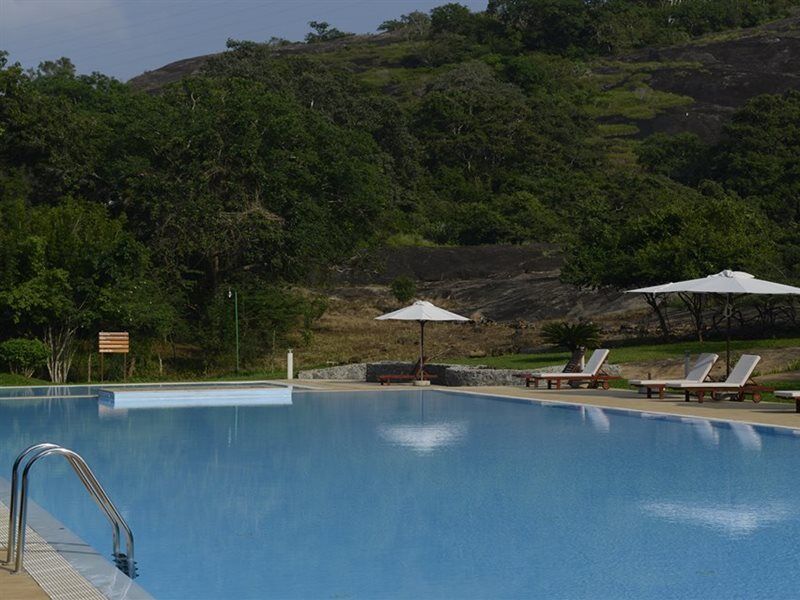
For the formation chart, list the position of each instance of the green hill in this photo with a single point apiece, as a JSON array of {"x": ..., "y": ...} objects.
[{"x": 646, "y": 141}]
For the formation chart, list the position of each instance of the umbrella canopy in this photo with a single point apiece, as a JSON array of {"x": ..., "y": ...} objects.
[
  {"x": 422, "y": 312},
  {"x": 727, "y": 283}
]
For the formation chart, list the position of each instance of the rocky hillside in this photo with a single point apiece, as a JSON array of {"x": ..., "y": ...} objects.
[
  {"x": 691, "y": 87},
  {"x": 498, "y": 283},
  {"x": 720, "y": 73}
]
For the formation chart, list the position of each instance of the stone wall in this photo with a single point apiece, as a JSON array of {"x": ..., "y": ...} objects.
[
  {"x": 449, "y": 375},
  {"x": 352, "y": 372}
]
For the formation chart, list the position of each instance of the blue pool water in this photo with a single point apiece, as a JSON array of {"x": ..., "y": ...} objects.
[{"x": 413, "y": 494}]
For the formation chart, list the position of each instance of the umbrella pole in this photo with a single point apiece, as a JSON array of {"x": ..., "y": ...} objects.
[
  {"x": 421, "y": 350},
  {"x": 728, "y": 311}
]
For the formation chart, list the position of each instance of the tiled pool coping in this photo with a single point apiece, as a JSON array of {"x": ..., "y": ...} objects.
[{"x": 91, "y": 390}]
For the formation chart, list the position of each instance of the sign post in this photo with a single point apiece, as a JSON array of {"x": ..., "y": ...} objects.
[{"x": 114, "y": 342}]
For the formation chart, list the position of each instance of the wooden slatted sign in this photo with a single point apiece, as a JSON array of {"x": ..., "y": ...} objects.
[{"x": 114, "y": 342}]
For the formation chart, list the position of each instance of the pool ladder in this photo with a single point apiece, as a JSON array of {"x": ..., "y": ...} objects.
[{"x": 18, "y": 509}]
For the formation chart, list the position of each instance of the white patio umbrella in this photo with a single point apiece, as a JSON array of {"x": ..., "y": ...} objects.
[
  {"x": 422, "y": 312},
  {"x": 726, "y": 283}
]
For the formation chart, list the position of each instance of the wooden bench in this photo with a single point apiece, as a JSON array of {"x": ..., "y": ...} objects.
[{"x": 387, "y": 379}]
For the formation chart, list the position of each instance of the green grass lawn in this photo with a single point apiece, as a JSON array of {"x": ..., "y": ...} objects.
[
  {"x": 629, "y": 354},
  {"x": 9, "y": 379}
]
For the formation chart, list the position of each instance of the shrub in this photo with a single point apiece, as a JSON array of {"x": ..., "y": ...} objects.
[
  {"x": 404, "y": 288},
  {"x": 23, "y": 356}
]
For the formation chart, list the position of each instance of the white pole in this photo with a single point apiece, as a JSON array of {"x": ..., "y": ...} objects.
[{"x": 290, "y": 365}]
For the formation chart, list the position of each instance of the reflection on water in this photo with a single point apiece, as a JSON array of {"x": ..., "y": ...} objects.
[
  {"x": 597, "y": 417},
  {"x": 47, "y": 391},
  {"x": 732, "y": 520},
  {"x": 109, "y": 412},
  {"x": 747, "y": 435},
  {"x": 704, "y": 429},
  {"x": 424, "y": 438}
]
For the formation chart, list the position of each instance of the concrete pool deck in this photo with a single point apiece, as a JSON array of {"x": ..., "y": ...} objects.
[{"x": 20, "y": 586}]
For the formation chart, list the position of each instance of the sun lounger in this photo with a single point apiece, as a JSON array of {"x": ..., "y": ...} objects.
[
  {"x": 792, "y": 395},
  {"x": 739, "y": 382},
  {"x": 410, "y": 376},
  {"x": 697, "y": 374},
  {"x": 592, "y": 373}
]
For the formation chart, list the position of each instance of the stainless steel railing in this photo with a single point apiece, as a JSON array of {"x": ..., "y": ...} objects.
[{"x": 18, "y": 509}]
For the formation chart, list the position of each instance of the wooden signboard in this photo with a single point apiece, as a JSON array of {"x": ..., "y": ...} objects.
[{"x": 114, "y": 342}]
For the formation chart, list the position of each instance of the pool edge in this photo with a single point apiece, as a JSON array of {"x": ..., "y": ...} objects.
[{"x": 64, "y": 565}]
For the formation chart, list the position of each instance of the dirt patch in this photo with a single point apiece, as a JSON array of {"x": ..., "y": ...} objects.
[{"x": 349, "y": 333}]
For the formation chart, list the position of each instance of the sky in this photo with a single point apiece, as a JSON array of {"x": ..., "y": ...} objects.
[{"x": 123, "y": 38}]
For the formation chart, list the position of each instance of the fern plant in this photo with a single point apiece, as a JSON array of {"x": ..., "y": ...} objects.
[{"x": 575, "y": 337}]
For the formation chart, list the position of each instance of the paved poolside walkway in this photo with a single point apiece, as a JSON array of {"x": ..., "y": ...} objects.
[
  {"x": 764, "y": 413},
  {"x": 46, "y": 574},
  {"x": 20, "y": 586}
]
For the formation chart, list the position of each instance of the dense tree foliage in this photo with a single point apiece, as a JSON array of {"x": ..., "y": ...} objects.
[{"x": 127, "y": 210}]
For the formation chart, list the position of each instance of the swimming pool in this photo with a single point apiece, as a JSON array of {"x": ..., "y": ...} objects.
[{"x": 426, "y": 494}]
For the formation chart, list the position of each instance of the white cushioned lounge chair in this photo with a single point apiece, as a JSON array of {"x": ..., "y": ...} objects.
[
  {"x": 739, "y": 381},
  {"x": 697, "y": 374},
  {"x": 592, "y": 373},
  {"x": 792, "y": 395}
]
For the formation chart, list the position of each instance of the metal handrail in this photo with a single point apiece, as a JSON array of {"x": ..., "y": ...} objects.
[
  {"x": 14, "y": 502},
  {"x": 18, "y": 511}
]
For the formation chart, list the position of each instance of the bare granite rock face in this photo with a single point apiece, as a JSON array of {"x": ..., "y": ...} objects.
[
  {"x": 719, "y": 74},
  {"x": 502, "y": 282},
  {"x": 444, "y": 374}
]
